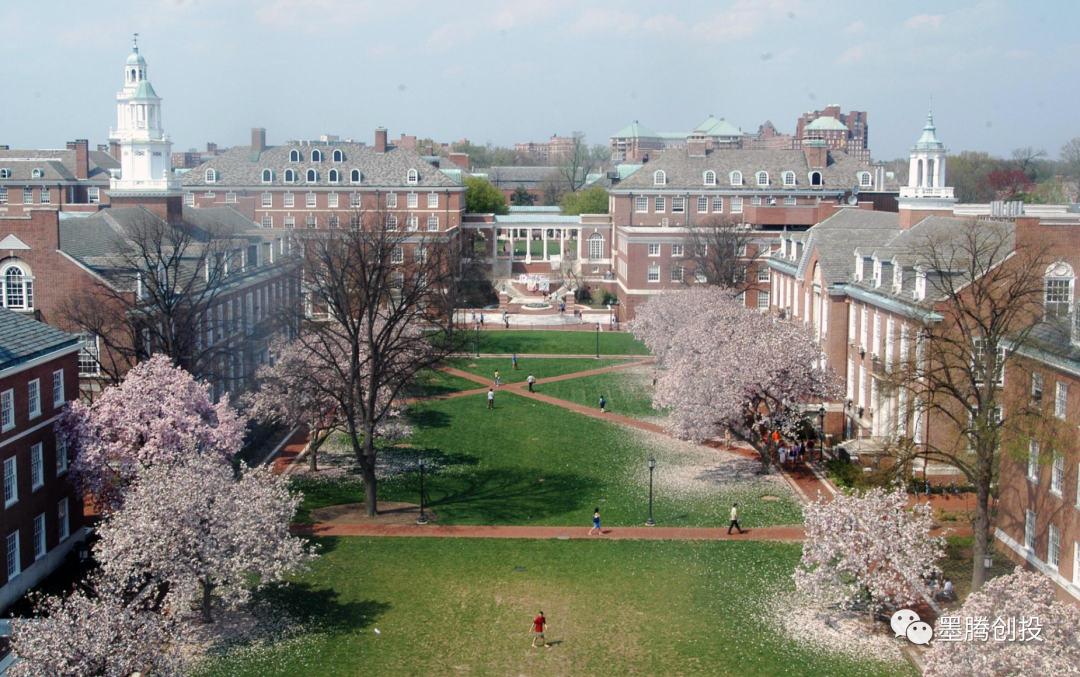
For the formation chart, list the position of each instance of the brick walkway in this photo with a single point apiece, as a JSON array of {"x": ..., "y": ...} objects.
[{"x": 788, "y": 533}]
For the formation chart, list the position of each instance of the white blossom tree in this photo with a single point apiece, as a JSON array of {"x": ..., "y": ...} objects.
[
  {"x": 158, "y": 415},
  {"x": 197, "y": 530},
  {"x": 1051, "y": 651},
  {"x": 868, "y": 548},
  {"x": 722, "y": 366},
  {"x": 110, "y": 633}
]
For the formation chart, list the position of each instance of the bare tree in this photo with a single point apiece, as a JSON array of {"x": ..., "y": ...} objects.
[
  {"x": 378, "y": 308},
  {"x": 721, "y": 252},
  {"x": 986, "y": 293},
  {"x": 576, "y": 163},
  {"x": 551, "y": 189},
  {"x": 1070, "y": 157},
  {"x": 1024, "y": 159}
]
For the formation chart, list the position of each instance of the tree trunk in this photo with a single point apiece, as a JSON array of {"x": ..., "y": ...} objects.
[
  {"x": 317, "y": 439},
  {"x": 367, "y": 471},
  {"x": 207, "y": 601},
  {"x": 982, "y": 535}
]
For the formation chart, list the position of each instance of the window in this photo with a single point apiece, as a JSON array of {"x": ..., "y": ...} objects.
[
  {"x": 332, "y": 200},
  {"x": 762, "y": 178},
  {"x": 354, "y": 176},
  {"x": 354, "y": 220},
  {"x": 676, "y": 273},
  {"x": 1053, "y": 547},
  {"x": 18, "y": 288},
  {"x": 267, "y": 200},
  {"x": 411, "y": 200},
  {"x": 676, "y": 250},
  {"x": 28, "y": 196},
  {"x": 333, "y": 221},
  {"x": 3, "y": 195},
  {"x": 412, "y": 224},
  {"x": 1058, "y": 284},
  {"x": 432, "y": 223},
  {"x": 338, "y": 155},
  {"x": 865, "y": 180},
  {"x": 433, "y": 200},
  {"x": 763, "y": 274},
  {"x": 7, "y": 410},
  {"x": 37, "y": 471},
  {"x": 312, "y": 176},
  {"x": 1061, "y": 399},
  {"x": 980, "y": 358},
  {"x": 62, "y": 518},
  {"x": 736, "y": 205},
  {"x": 267, "y": 221},
  {"x": 412, "y": 176},
  {"x": 596, "y": 246},
  {"x": 11, "y": 482},
  {"x": 294, "y": 155},
  {"x": 333, "y": 176},
  {"x": 290, "y": 222},
  {"x": 1036, "y": 386},
  {"x": 654, "y": 249},
  {"x": 641, "y": 204},
  {"x": 61, "y": 455},
  {"x": 789, "y": 178},
  {"x": 93, "y": 195},
  {"x": 44, "y": 196},
  {"x": 659, "y": 178},
  {"x": 33, "y": 397},
  {"x": 5, "y": 173},
  {"x": 397, "y": 255},
  {"x": 815, "y": 178},
  {"x": 699, "y": 275},
  {"x": 310, "y": 200},
  {"x": 391, "y": 223},
  {"x": 89, "y": 365},
  {"x": 289, "y": 200},
  {"x": 661, "y": 204},
  {"x": 763, "y": 300},
  {"x": 755, "y": 201},
  {"x": 230, "y": 197},
  {"x": 14, "y": 557},
  {"x": 736, "y": 178},
  {"x": 211, "y": 176},
  {"x": 789, "y": 201},
  {"x": 710, "y": 178},
  {"x": 290, "y": 176},
  {"x": 310, "y": 221},
  {"x": 36, "y": 174},
  {"x": 654, "y": 274},
  {"x": 58, "y": 388},
  {"x": 391, "y": 200},
  {"x": 1057, "y": 473},
  {"x": 316, "y": 155},
  {"x": 1034, "y": 449},
  {"x": 678, "y": 205},
  {"x": 717, "y": 205},
  {"x": 420, "y": 254},
  {"x": 267, "y": 176}
]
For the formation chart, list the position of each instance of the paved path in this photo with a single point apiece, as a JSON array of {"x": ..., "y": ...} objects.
[{"x": 787, "y": 533}]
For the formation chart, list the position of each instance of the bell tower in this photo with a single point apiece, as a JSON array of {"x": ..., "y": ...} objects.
[{"x": 926, "y": 193}]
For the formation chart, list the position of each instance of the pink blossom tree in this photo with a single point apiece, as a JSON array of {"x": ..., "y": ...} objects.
[
  {"x": 868, "y": 548},
  {"x": 110, "y": 633},
  {"x": 1051, "y": 651},
  {"x": 198, "y": 531},
  {"x": 159, "y": 415},
  {"x": 723, "y": 366}
]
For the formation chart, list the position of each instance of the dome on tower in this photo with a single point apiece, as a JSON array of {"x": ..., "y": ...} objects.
[
  {"x": 929, "y": 140},
  {"x": 136, "y": 59}
]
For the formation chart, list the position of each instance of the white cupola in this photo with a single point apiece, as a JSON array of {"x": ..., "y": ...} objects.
[{"x": 926, "y": 190}]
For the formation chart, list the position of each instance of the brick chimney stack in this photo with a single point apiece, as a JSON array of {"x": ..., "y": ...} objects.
[
  {"x": 380, "y": 139},
  {"x": 114, "y": 150},
  {"x": 460, "y": 159},
  {"x": 258, "y": 139},
  {"x": 817, "y": 154},
  {"x": 82, "y": 157},
  {"x": 695, "y": 147}
]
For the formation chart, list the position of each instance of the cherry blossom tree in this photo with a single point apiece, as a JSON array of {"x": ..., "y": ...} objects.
[
  {"x": 110, "y": 633},
  {"x": 1048, "y": 646},
  {"x": 158, "y": 415},
  {"x": 868, "y": 548},
  {"x": 197, "y": 530},
  {"x": 725, "y": 366}
]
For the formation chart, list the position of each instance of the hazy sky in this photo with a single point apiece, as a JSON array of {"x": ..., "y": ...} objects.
[{"x": 1002, "y": 73}]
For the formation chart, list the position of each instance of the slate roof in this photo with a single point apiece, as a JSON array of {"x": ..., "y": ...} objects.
[
  {"x": 718, "y": 127},
  {"x": 23, "y": 339},
  {"x": 56, "y": 166},
  {"x": 836, "y": 238},
  {"x": 240, "y": 166},
  {"x": 685, "y": 172},
  {"x": 1054, "y": 338}
]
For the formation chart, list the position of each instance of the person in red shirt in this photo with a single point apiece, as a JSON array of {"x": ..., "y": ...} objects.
[{"x": 539, "y": 624}]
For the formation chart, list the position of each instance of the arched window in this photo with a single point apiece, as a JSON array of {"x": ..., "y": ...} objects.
[
  {"x": 710, "y": 178},
  {"x": 18, "y": 286},
  {"x": 413, "y": 176},
  {"x": 1058, "y": 288},
  {"x": 294, "y": 155},
  {"x": 290, "y": 176},
  {"x": 865, "y": 180},
  {"x": 316, "y": 155},
  {"x": 35, "y": 174},
  {"x": 659, "y": 178},
  {"x": 763, "y": 178},
  {"x": 5, "y": 173},
  {"x": 789, "y": 178},
  {"x": 312, "y": 176},
  {"x": 333, "y": 176},
  {"x": 596, "y": 246},
  {"x": 354, "y": 176},
  {"x": 815, "y": 178},
  {"x": 211, "y": 175},
  {"x": 267, "y": 175},
  {"x": 736, "y": 178},
  {"x": 338, "y": 155}
]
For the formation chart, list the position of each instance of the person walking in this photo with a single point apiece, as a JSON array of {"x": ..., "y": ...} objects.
[
  {"x": 783, "y": 456},
  {"x": 596, "y": 523},
  {"x": 506, "y": 321},
  {"x": 734, "y": 519},
  {"x": 513, "y": 360},
  {"x": 491, "y": 398},
  {"x": 496, "y": 378},
  {"x": 474, "y": 317},
  {"x": 481, "y": 319},
  {"x": 653, "y": 378},
  {"x": 531, "y": 380},
  {"x": 539, "y": 625},
  {"x": 603, "y": 403}
]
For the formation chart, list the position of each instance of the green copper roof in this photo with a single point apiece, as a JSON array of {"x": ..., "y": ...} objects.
[
  {"x": 827, "y": 124},
  {"x": 929, "y": 135},
  {"x": 636, "y": 129},
  {"x": 717, "y": 127},
  {"x": 627, "y": 170},
  {"x": 145, "y": 91},
  {"x": 135, "y": 59}
]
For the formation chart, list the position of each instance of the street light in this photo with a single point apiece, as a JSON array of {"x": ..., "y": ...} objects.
[
  {"x": 652, "y": 465},
  {"x": 821, "y": 432},
  {"x": 478, "y": 339},
  {"x": 598, "y": 340},
  {"x": 988, "y": 560},
  {"x": 423, "y": 518}
]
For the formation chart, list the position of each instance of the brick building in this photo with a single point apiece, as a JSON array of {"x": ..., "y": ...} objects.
[
  {"x": 552, "y": 150},
  {"x": 42, "y": 517},
  {"x": 69, "y": 180},
  {"x": 839, "y": 131},
  {"x": 637, "y": 143}
]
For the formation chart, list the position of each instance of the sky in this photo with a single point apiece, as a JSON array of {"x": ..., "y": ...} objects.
[{"x": 1001, "y": 73}]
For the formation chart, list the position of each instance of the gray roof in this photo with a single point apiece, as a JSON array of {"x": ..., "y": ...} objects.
[
  {"x": 521, "y": 176},
  {"x": 686, "y": 172},
  {"x": 56, "y": 165},
  {"x": 836, "y": 238},
  {"x": 23, "y": 339},
  {"x": 1054, "y": 338},
  {"x": 241, "y": 166}
]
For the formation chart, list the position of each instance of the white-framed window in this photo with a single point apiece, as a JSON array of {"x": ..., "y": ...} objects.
[
  {"x": 189, "y": 199},
  {"x": 1036, "y": 386},
  {"x": 61, "y": 455},
  {"x": 654, "y": 249},
  {"x": 412, "y": 224},
  {"x": 28, "y": 196},
  {"x": 660, "y": 204},
  {"x": 354, "y": 220},
  {"x": 432, "y": 223},
  {"x": 310, "y": 200},
  {"x": 333, "y": 176},
  {"x": 699, "y": 275},
  {"x": 654, "y": 274},
  {"x": 18, "y": 287},
  {"x": 789, "y": 178},
  {"x": 391, "y": 200},
  {"x": 5, "y": 173},
  {"x": 39, "y": 537},
  {"x": 391, "y": 222},
  {"x": 267, "y": 176},
  {"x": 641, "y": 204},
  {"x": 1034, "y": 449},
  {"x": 412, "y": 200},
  {"x": 44, "y": 196},
  {"x": 815, "y": 179},
  {"x": 702, "y": 205},
  {"x": 762, "y": 300},
  {"x": 596, "y": 246},
  {"x": 678, "y": 205},
  {"x": 289, "y": 200},
  {"x": 290, "y": 176},
  {"x": 354, "y": 200},
  {"x": 230, "y": 198},
  {"x": 659, "y": 177},
  {"x": 433, "y": 200},
  {"x": 412, "y": 177},
  {"x": 755, "y": 201},
  {"x": 36, "y": 174},
  {"x": 1053, "y": 547},
  {"x": 1061, "y": 399},
  {"x": 267, "y": 200},
  {"x": 676, "y": 273},
  {"x": 850, "y": 379},
  {"x": 58, "y": 388},
  {"x": 3, "y": 195},
  {"x": 290, "y": 221},
  {"x": 294, "y": 155},
  {"x": 211, "y": 176},
  {"x": 1057, "y": 474},
  {"x": 735, "y": 178},
  {"x": 267, "y": 221},
  {"x": 865, "y": 179},
  {"x": 93, "y": 195},
  {"x": 676, "y": 250},
  {"x": 64, "y": 526},
  {"x": 736, "y": 205},
  {"x": 763, "y": 273},
  {"x": 7, "y": 410},
  {"x": 397, "y": 255},
  {"x": 789, "y": 201},
  {"x": 338, "y": 155},
  {"x": 11, "y": 482},
  {"x": 33, "y": 397},
  {"x": 762, "y": 178},
  {"x": 420, "y": 254},
  {"x": 310, "y": 221},
  {"x": 14, "y": 557},
  {"x": 37, "y": 466},
  {"x": 864, "y": 386},
  {"x": 332, "y": 200},
  {"x": 89, "y": 362},
  {"x": 355, "y": 176}
]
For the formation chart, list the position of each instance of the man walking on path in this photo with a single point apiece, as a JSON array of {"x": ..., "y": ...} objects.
[
  {"x": 734, "y": 519},
  {"x": 539, "y": 625},
  {"x": 531, "y": 380},
  {"x": 513, "y": 359},
  {"x": 481, "y": 319},
  {"x": 603, "y": 403},
  {"x": 491, "y": 398},
  {"x": 496, "y": 378}
]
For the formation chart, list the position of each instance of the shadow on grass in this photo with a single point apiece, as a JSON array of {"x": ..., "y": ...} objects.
[
  {"x": 322, "y": 608},
  {"x": 505, "y": 495},
  {"x": 429, "y": 418}
]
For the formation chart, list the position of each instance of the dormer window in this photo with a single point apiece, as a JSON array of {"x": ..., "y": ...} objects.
[
  {"x": 211, "y": 176},
  {"x": 710, "y": 178},
  {"x": 316, "y": 155},
  {"x": 338, "y": 155},
  {"x": 35, "y": 174},
  {"x": 333, "y": 176},
  {"x": 5, "y": 173},
  {"x": 290, "y": 176},
  {"x": 312, "y": 176},
  {"x": 294, "y": 155},
  {"x": 920, "y": 286},
  {"x": 762, "y": 178},
  {"x": 897, "y": 277},
  {"x": 267, "y": 176},
  {"x": 659, "y": 178},
  {"x": 736, "y": 178},
  {"x": 354, "y": 176},
  {"x": 789, "y": 178},
  {"x": 877, "y": 273},
  {"x": 866, "y": 180},
  {"x": 858, "y": 267},
  {"x": 815, "y": 179},
  {"x": 412, "y": 177}
]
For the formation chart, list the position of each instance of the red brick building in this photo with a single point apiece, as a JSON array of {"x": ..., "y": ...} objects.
[
  {"x": 75, "y": 179},
  {"x": 42, "y": 516},
  {"x": 547, "y": 151},
  {"x": 839, "y": 131}
]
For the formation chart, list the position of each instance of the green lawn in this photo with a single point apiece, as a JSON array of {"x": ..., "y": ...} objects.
[
  {"x": 528, "y": 462},
  {"x": 628, "y": 392},
  {"x": 463, "y": 607},
  {"x": 541, "y": 342},
  {"x": 432, "y": 382},
  {"x": 537, "y": 247},
  {"x": 540, "y": 367}
]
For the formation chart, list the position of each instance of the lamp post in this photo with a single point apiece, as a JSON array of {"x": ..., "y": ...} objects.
[
  {"x": 652, "y": 465},
  {"x": 423, "y": 518},
  {"x": 821, "y": 432},
  {"x": 478, "y": 339},
  {"x": 988, "y": 560},
  {"x": 598, "y": 340}
]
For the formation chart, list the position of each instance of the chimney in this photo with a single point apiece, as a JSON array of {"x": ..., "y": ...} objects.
[
  {"x": 258, "y": 139},
  {"x": 380, "y": 139},
  {"x": 211, "y": 148},
  {"x": 817, "y": 154},
  {"x": 114, "y": 150},
  {"x": 460, "y": 159},
  {"x": 103, "y": 148},
  {"x": 5, "y": 147},
  {"x": 695, "y": 147},
  {"x": 82, "y": 157}
]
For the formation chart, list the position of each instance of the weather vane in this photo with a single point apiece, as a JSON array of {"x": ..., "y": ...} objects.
[{"x": 135, "y": 40}]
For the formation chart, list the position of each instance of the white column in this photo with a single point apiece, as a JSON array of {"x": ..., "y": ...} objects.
[
  {"x": 562, "y": 241},
  {"x": 580, "y": 237},
  {"x": 545, "y": 244},
  {"x": 510, "y": 234},
  {"x": 528, "y": 245}
]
